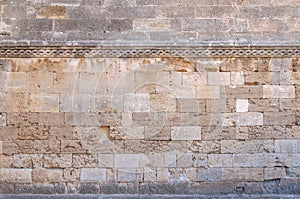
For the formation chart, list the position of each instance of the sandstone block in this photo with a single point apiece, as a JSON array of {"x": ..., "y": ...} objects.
[
  {"x": 45, "y": 146},
  {"x": 193, "y": 78},
  {"x": 162, "y": 175},
  {"x": 28, "y": 161},
  {"x": 280, "y": 64},
  {"x": 236, "y": 78},
  {"x": 263, "y": 105},
  {"x": 106, "y": 160},
  {"x": 51, "y": 12},
  {"x": 281, "y": 118},
  {"x": 16, "y": 175},
  {"x": 184, "y": 160},
  {"x": 127, "y": 175},
  {"x": 1, "y": 146},
  {"x": 186, "y": 133},
  {"x": 220, "y": 160},
  {"x": 208, "y": 92},
  {"x": 243, "y": 92},
  {"x": 206, "y": 146},
  {"x": 6, "y": 161},
  {"x": 39, "y": 175},
  {"x": 65, "y": 83},
  {"x": 289, "y": 104},
  {"x": 243, "y": 119},
  {"x": 44, "y": 103},
  {"x": 40, "y": 82},
  {"x": 278, "y": 91},
  {"x": 242, "y": 105},
  {"x": 218, "y": 78},
  {"x": 287, "y": 146},
  {"x": 55, "y": 175},
  {"x": 136, "y": 102},
  {"x": 71, "y": 175},
  {"x": 127, "y": 132},
  {"x": 8, "y": 133},
  {"x": 83, "y": 160},
  {"x": 58, "y": 161},
  {"x": 274, "y": 173},
  {"x": 127, "y": 160},
  {"x": 170, "y": 159},
  {"x": 75, "y": 103},
  {"x": 150, "y": 175},
  {"x": 16, "y": 82},
  {"x": 293, "y": 132},
  {"x": 209, "y": 175},
  {"x": 251, "y": 146},
  {"x": 190, "y": 105},
  {"x": 242, "y": 174},
  {"x": 93, "y": 175}
]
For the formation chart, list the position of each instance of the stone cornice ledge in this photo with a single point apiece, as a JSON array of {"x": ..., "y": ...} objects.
[{"x": 94, "y": 49}]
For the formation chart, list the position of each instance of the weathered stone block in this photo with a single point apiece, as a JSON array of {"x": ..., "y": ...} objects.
[
  {"x": 243, "y": 92},
  {"x": 287, "y": 146},
  {"x": 28, "y": 161},
  {"x": 127, "y": 133},
  {"x": 127, "y": 175},
  {"x": 40, "y": 82},
  {"x": 243, "y": 119},
  {"x": 58, "y": 161},
  {"x": 39, "y": 175},
  {"x": 251, "y": 146},
  {"x": 184, "y": 160},
  {"x": 51, "y": 12},
  {"x": 72, "y": 146},
  {"x": 280, "y": 64},
  {"x": 71, "y": 175},
  {"x": 209, "y": 175},
  {"x": 15, "y": 175},
  {"x": 218, "y": 78},
  {"x": 127, "y": 160},
  {"x": 186, "y": 133},
  {"x": 242, "y": 174},
  {"x": 274, "y": 173},
  {"x": 8, "y": 133},
  {"x": 263, "y": 105},
  {"x": 44, "y": 103},
  {"x": 208, "y": 92},
  {"x": 75, "y": 103},
  {"x": 136, "y": 102},
  {"x": 1, "y": 146},
  {"x": 242, "y": 105},
  {"x": 237, "y": 78},
  {"x": 280, "y": 118},
  {"x": 106, "y": 160},
  {"x": 93, "y": 175},
  {"x": 83, "y": 160},
  {"x": 278, "y": 91},
  {"x": 220, "y": 160},
  {"x": 55, "y": 175}
]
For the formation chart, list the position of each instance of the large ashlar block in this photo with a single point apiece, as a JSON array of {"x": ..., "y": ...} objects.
[
  {"x": 58, "y": 161},
  {"x": 40, "y": 82},
  {"x": 271, "y": 91},
  {"x": 280, "y": 64},
  {"x": 287, "y": 146},
  {"x": 242, "y": 174},
  {"x": 66, "y": 82},
  {"x": 209, "y": 174},
  {"x": 16, "y": 82},
  {"x": 208, "y": 92},
  {"x": 15, "y": 175},
  {"x": 75, "y": 103},
  {"x": 274, "y": 173},
  {"x": 127, "y": 132},
  {"x": 184, "y": 160},
  {"x": 93, "y": 175},
  {"x": 186, "y": 133},
  {"x": 127, "y": 175},
  {"x": 44, "y": 103},
  {"x": 127, "y": 160},
  {"x": 218, "y": 78},
  {"x": 106, "y": 160},
  {"x": 137, "y": 102},
  {"x": 220, "y": 160},
  {"x": 243, "y": 119},
  {"x": 251, "y": 146}
]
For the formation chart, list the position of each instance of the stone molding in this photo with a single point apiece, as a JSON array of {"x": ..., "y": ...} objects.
[{"x": 147, "y": 51}]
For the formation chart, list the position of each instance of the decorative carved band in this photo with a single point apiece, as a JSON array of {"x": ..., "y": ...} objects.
[{"x": 131, "y": 51}]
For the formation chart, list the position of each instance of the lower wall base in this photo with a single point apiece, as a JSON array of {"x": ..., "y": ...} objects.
[{"x": 284, "y": 186}]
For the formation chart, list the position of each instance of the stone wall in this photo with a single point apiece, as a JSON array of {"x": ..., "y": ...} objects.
[
  {"x": 144, "y": 107},
  {"x": 151, "y": 20}
]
